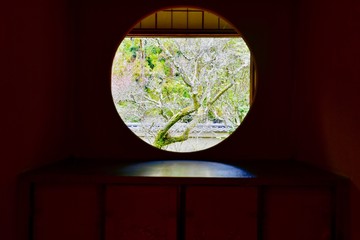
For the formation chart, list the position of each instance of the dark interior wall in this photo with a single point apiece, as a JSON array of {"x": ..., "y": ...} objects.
[
  {"x": 100, "y": 27},
  {"x": 327, "y": 96},
  {"x": 55, "y": 86},
  {"x": 33, "y": 93}
]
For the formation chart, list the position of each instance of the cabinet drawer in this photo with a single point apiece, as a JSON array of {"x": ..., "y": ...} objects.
[
  {"x": 141, "y": 213},
  {"x": 68, "y": 212},
  {"x": 226, "y": 213},
  {"x": 298, "y": 213}
]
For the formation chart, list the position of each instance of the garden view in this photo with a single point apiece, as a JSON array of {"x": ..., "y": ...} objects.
[{"x": 182, "y": 94}]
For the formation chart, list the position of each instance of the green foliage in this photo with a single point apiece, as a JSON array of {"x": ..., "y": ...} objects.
[{"x": 154, "y": 79}]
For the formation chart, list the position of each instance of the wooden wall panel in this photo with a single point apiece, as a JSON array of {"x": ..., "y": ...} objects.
[
  {"x": 298, "y": 214},
  {"x": 141, "y": 213},
  {"x": 227, "y": 213},
  {"x": 68, "y": 212}
]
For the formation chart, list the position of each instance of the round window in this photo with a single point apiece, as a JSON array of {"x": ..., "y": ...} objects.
[{"x": 181, "y": 80}]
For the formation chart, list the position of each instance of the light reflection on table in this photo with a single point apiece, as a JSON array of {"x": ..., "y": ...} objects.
[{"x": 184, "y": 168}]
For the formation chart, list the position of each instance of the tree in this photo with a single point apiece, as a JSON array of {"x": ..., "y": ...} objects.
[{"x": 167, "y": 81}]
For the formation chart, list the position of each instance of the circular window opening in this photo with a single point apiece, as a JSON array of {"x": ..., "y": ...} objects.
[{"x": 181, "y": 80}]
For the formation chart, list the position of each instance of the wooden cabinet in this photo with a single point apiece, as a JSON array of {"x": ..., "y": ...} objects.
[
  {"x": 65, "y": 211},
  {"x": 299, "y": 213},
  {"x": 221, "y": 212},
  {"x": 114, "y": 203},
  {"x": 141, "y": 213}
]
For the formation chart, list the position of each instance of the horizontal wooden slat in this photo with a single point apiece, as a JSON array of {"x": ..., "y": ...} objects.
[{"x": 183, "y": 21}]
